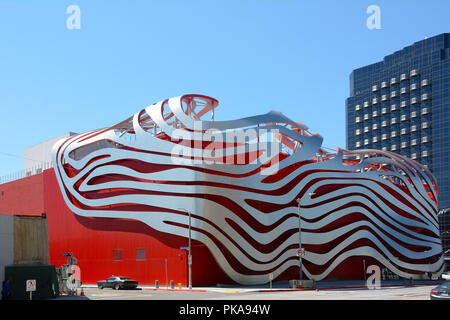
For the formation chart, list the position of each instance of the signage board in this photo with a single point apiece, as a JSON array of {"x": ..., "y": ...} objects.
[{"x": 31, "y": 285}]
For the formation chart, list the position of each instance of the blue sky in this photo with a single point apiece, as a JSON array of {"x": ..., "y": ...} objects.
[{"x": 251, "y": 55}]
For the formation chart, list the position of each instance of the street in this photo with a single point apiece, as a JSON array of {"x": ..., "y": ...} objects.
[{"x": 147, "y": 293}]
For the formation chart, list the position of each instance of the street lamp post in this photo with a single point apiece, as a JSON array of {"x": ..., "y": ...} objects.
[
  {"x": 300, "y": 255},
  {"x": 190, "y": 255},
  {"x": 189, "y": 248},
  {"x": 299, "y": 239}
]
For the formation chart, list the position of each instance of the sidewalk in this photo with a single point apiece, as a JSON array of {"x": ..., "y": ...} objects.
[{"x": 284, "y": 286}]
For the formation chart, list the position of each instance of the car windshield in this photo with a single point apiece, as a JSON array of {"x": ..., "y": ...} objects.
[
  {"x": 445, "y": 285},
  {"x": 124, "y": 278}
]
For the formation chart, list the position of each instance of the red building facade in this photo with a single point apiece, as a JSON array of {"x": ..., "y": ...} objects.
[
  {"x": 94, "y": 241},
  {"x": 118, "y": 199},
  {"x": 105, "y": 246}
]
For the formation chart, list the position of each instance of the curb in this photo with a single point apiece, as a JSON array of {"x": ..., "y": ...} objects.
[
  {"x": 350, "y": 287},
  {"x": 179, "y": 290},
  {"x": 154, "y": 289}
]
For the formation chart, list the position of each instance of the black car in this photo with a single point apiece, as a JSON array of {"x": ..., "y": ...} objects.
[
  {"x": 118, "y": 283},
  {"x": 441, "y": 292}
]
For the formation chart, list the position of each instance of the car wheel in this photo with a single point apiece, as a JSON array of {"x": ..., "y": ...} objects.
[
  {"x": 100, "y": 287},
  {"x": 117, "y": 286}
]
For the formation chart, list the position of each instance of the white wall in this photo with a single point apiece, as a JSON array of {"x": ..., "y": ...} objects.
[{"x": 38, "y": 157}]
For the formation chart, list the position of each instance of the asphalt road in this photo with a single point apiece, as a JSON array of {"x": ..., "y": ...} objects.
[{"x": 386, "y": 293}]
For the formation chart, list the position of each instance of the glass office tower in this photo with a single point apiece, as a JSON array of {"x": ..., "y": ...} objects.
[{"x": 402, "y": 104}]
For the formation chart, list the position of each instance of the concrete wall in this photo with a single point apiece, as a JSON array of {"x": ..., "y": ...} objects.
[{"x": 6, "y": 243}]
